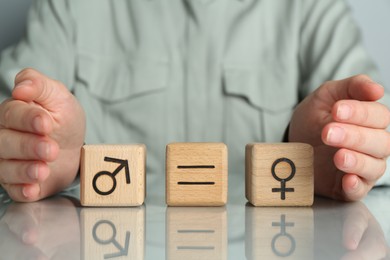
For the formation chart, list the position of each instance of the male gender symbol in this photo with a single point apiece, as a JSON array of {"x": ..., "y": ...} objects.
[
  {"x": 123, "y": 250},
  {"x": 123, "y": 164}
]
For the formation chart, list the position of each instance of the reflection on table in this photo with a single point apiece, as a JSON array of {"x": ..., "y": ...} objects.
[
  {"x": 347, "y": 231},
  {"x": 279, "y": 232},
  {"x": 58, "y": 228},
  {"x": 196, "y": 233},
  {"x": 49, "y": 229},
  {"x": 108, "y": 233}
]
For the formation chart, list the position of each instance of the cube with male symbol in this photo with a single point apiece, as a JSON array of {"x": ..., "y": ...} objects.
[{"x": 113, "y": 175}]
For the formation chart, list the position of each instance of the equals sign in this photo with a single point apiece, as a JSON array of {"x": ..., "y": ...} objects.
[
  {"x": 195, "y": 231},
  {"x": 196, "y": 167}
]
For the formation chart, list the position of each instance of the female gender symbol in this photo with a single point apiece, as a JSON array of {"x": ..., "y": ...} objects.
[
  {"x": 283, "y": 224},
  {"x": 283, "y": 188}
]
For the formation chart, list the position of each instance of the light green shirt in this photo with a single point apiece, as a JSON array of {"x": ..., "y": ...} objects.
[{"x": 161, "y": 71}]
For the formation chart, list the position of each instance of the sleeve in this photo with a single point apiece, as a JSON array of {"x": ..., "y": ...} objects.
[
  {"x": 332, "y": 48},
  {"x": 48, "y": 46}
]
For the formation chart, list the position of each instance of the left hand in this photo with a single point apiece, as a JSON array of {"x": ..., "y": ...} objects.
[
  {"x": 362, "y": 235},
  {"x": 347, "y": 128}
]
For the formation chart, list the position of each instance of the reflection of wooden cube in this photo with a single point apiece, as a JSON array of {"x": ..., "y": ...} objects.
[
  {"x": 196, "y": 174},
  {"x": 279, "y": 174},
  {"x": 112, "y": 175},
  {"x": 279, "y": 233},
  {"x": 115, "y": 233},
  {"x": 196, "y": 233}
]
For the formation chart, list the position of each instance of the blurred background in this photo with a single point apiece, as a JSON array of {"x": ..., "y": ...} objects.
[{"x": 373, "y": 16}]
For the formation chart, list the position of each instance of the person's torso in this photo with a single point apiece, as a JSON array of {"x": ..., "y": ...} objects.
[{"x": 156, "y": 72}]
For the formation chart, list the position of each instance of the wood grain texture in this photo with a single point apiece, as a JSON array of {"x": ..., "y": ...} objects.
[
  {"x": 99, "y": 162},
  {"x": 263, "y": 189},
  {"x": 113, "y": 233},
  {"x": 279, "y": 233},
  {"x": 196, "y": 174}
]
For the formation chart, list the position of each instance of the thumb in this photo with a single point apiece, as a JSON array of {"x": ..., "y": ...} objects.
[
  {"x": 33, "y": 86},
  {"x": 360, "y": 87}
]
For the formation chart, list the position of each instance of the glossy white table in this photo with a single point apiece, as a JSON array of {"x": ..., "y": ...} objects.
[{"x": 59, "y": 228}]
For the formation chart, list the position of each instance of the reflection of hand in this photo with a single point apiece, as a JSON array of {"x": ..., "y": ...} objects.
[
  {"x": 343, "y": 121},
  {"x": 43, "y": 230},
  {"x": 362, "y": 234},
  {"x": 41, "y": 131},
  {"x": 347, "y": 231}
]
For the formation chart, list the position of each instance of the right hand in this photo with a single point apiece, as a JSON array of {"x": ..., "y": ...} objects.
[
  {"x": 48, "y": 229},
  {"x": 42, "y": 130}
]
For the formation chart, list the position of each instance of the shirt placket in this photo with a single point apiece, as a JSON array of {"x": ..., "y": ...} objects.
[{"x": 202, "y": 90}]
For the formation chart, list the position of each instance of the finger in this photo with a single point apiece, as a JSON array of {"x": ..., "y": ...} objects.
[
  {"x": 12, "y": 248},
  {"x": 359, "y": 87},
  {"x": 30, "y": 85},
  {"x": 368, "y": 114},
  {"x": 372, "y": 245},
  {"x": 22, "y": 220},
  {"x": 26, "y": 146},
  {"x": 374, "y": 142},
  {"x": 23, "y": 192},
  {"x": 18, "y": 172},
  {"x": 25, "y": 117},
  {"x": 354, "y": 188},
  {"x": 375, "y": 251},
  {"x": 365, "y": 166},
  {"x": 355, "y": 225}
]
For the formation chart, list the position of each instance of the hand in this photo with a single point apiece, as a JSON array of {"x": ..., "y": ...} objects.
[
  {"x": 42, "y": 129},
  {"x": 48, "y": 229},
  {"x": 348, "y": 231},
  {"x": 347, "y": 128},
  {"x": 362, "y": 234}
]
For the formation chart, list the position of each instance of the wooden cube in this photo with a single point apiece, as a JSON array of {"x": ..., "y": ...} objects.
[
  {"x": 279, "y": 174},
  {"x": 196, "y": 174},
  {"x": 196, "y": 233},
  {"x": 113, "y": 233},
  {"x": 279, "y": 233},
  {"x": 113, "y": 175}
]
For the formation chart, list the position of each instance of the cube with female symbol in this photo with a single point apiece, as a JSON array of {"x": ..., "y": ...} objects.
[{"x": 279, "y": 174}]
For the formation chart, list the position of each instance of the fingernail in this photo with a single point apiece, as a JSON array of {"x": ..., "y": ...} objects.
[
  {"x": 335, "y": 135},
  {"x": 349, "y": 160},
  {"x": 25, "y": 192},
  {"x": 356, "y": 185},
  {"x": 352, "y": 241},
  {"x": 43, "y": 150},
  {"x": 38, "y": 124},
  {"x": 355, "y": 239},
  {"x": 24, "y": 83},
  {"x": 344, "y": 112},
  {"x": 32, "y": 172},
  {"x": 27, "y": 238}
]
